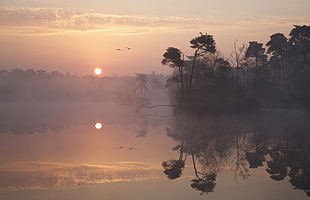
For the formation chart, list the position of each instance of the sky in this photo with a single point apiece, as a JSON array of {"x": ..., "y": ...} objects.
[{"x": 77, "y": 36}]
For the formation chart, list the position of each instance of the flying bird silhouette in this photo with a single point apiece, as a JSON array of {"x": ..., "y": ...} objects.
[
  {"x": 128, "y": 48},
  {"x": 118, "y": 49}
]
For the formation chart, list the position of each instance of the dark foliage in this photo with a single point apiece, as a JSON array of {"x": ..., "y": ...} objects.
[
  {"x": 214, "y": 86},
  {"x": 173, "y": 168}
]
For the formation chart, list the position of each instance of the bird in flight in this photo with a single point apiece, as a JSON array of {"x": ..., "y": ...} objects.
[
  {"x": 118, "y": 49},
  {"x": 128, "y": 48},
  {"x": 131, "y": 148}
]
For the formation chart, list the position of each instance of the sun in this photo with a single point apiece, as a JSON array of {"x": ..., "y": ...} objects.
[
  {"x": 98, "y": 125},
  {"x": 98, "y": 71}
]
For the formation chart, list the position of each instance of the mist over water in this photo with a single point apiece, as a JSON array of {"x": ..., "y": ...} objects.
[
  {"x": 34, "y": 101},
  {"x": 208, "y": 129},
  {"x": 51, "y": 143},
  {"x": 84, "y": 115}
]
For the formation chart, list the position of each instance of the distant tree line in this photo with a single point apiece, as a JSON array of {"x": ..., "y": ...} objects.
[
  {"x": 30, "y": 85},
  {"x": 276, "y": 75},
  {"x": 39, "y": 85}
]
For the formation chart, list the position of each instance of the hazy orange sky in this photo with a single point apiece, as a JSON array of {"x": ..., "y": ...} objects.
[{"x": 76, "y": 36}]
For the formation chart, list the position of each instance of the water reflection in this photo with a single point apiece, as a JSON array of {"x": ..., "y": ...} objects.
[
  {"x": 64, "y": 149},
  {"x": 20, "y": 118},
  {"x": 47, "y": 175},
  {"x": 277, "y": 141},
  {"x": 150, "y": 147}
]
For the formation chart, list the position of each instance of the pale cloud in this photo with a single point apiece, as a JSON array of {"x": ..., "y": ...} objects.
[
  {"x": 57, "y": 20},
  {"x": 288, "y": 21},
  {"x": 49, "y": 21}
]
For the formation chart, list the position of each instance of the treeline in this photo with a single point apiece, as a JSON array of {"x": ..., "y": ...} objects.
[
  {"x": 29, "y": 85},
  {"x": 257, "y": 76}
]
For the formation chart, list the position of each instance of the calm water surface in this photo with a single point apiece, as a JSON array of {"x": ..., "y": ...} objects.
[{"x": 50, "y": 151}]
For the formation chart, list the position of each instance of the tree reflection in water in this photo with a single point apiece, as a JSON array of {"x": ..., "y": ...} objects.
[
  {"x": 174, "y": 168},
  {"x": 277, "y": 140}
]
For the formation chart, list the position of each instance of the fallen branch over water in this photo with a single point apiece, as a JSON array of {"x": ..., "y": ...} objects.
[{"x": 141, "y": 107}]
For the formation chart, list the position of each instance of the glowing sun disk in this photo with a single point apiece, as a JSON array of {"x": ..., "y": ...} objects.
[
  {"x": 98, "y": 125},
  {"x": 98, "y": 71}
]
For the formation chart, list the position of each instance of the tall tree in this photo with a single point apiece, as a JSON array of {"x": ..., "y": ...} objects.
[
  {"x": 256, "y": 51},
  {"x": 238, "y": 56},
  {"x": 141, "y": 84},
  {"x": 300, "y": 57},
  {"x": 203, "y": 44},
  {"x": 278, "y": 47},
  {"x": 174, "y": 57},
  {"x": 300, "y": 40}
]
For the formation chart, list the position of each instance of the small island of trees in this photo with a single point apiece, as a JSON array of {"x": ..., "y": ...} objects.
[{"x": 254, "y": 78}]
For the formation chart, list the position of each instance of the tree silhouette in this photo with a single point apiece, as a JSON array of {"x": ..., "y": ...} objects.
[
  {"x": 277, "y": 45},
  {"x": 277, "y": 142},
  {"x": 203, "y": 44},
  {"x": 206, "y": 184},
  {"x": 300, "y": 41},
  {"x": 280, "y": 80},
  {"x": 222, "y": 73},
  {"x": 240, "y": 167},
  {"x": 301, "y": 180},
  {"x": 256, "y": 51},
  {"x": 173, "y": 168},
  {"x": 141, "y": 84},
  {"x": 300, "y": 58},
  {"x": 238, "y": 56},
  {"x": 290, "y": 158},
  {"x": 173, "y": 57}
]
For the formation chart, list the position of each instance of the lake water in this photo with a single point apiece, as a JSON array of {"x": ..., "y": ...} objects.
[{"x": 53, "y": 151}]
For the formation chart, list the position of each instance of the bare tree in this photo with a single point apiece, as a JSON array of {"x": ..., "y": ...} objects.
[{"x": 237, "y": 56}]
